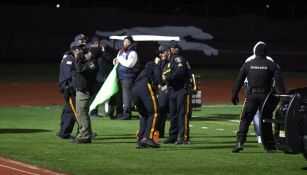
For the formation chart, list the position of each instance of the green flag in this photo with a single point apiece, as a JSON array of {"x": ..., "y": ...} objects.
[{"x": 108, "y": 89}]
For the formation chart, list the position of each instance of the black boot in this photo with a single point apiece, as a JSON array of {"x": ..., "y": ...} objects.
[
  {"x": 150, "y": 143},
  {"x": 238, "y": 147}
]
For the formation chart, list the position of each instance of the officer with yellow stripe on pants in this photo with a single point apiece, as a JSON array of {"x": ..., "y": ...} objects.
[
  {"x": 175, "y": 73},
  {"x": 145, "y": 99}
]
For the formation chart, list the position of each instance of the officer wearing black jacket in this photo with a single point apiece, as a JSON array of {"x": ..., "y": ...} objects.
[
  {"x": 144, "y": 97},
  {"x": 68, "y": 113},
  {"x": 163, "y": 96},
  {"x": 175, "y": 73},
  {"x": 259, "y": 73},
  {"x": 86, "y": 85}
]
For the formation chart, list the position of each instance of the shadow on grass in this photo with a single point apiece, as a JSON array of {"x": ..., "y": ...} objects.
[
  {"x": 112, "y": 142},
  {"x": 198, "y": 147},
  {"x": 216, "y": 117},
  {"x": 115, "y": 137},
  {"x": 21, "y": 130},
  {"x": 304, "y": 168}
]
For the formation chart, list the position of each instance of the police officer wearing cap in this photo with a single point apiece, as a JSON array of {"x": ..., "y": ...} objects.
[
  {"x": 174, "y": 48},
  {"x": 163, "y": 95},
  {"x": 260, "y": 73},
  {"x": 144, "y": 93},
  {"x": 86, "y": 85},
  {"x": 68, "y": 116},
  {"x": 175, "y": 74}
]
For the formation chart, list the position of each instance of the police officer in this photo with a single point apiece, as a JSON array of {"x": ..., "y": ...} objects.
[
  {"x": 175, "y": 74},
  {"x": 163, "y": 95},
  {"x": 85, "y": 83},
  {"x": 256, "y": 119},
  {"x": 174, "y": 48},
  {"x": 259, "y": 73},
  {"x": 68, "y": 115},
  {"x": 144, "y": 96}
]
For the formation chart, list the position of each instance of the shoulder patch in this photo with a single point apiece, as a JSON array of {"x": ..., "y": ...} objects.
[
  {"x": 64, "y": 56},
  {"x": 69, "y": 62},
  {"x": 178, "y": 59}
]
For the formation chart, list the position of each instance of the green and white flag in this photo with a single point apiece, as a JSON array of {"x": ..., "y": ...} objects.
[{"x": 108, "y": 89}]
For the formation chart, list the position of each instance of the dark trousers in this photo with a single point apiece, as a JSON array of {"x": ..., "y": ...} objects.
[
  {"x": 126, "y": 85},
  {"x": 163, "y": 111},
  {"x": 68, "y": 118},
  {"x": 147, "y": 106},
  {"x": 253, "y": 102},
  {"x": 179, "y": 109}
]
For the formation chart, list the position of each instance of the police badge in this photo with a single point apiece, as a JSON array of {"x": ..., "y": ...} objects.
[{"x": 178, "y": 59}]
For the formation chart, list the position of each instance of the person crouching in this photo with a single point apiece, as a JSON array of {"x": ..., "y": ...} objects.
[{"x": 144, "y": 97}]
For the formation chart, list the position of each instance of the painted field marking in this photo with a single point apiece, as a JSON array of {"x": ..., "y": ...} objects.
[
  {"x": 221, "y": 123},
  {"x": 18, "y": 170},
  {"x": 221, "y": 106},
  {"x": 220, "y": 129},
  {"x": 204, "y": 127},
  {"x": 20, "y": 167}
]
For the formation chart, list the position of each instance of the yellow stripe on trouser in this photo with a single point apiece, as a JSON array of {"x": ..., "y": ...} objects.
[
  {"x": 185, "y": 131},
  {"x": 73, "y": 109},
  {"x": 242, "y": 110},
  {"x": 155, "y": 111}
]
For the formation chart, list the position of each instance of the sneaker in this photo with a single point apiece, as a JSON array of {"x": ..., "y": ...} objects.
[
  {"x": 113, "y": 117},
  {"x": 81, "y": 141},
  {"x": 238, "y": 147},
  {"x": 96, "y": 116},
  {"x": 140, "y": 145},
  {"x": 169, "y": 141},
  {"x": 182, "y": 142},
  {"x": 65, "y": 137},
  {"x": 94, "y": 134},
  {"x": 259, "y": 139},
  {"x": 125, "y": 117},
  {"x": 271, "y": 150}
]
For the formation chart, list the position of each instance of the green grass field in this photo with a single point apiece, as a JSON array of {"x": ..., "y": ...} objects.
[{"x": 27, "y": 134}]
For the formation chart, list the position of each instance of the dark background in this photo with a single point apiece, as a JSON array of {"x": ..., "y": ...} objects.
[{"x": 38, "y": 32}]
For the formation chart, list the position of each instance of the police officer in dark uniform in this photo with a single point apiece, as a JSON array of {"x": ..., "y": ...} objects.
[
  {"x": 68, "y": 115},
  {"x": 259, "y": 73},
  {"x": 144, "y": 96},
  {"x": 174, "y": 48},
  {"x": 163, "y": 96},
  {"x": 175, "y": 74}
]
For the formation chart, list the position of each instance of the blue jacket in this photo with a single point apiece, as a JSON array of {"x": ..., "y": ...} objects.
[
  {"x": 66, "y": 70},
  {"x": 125, "y": 72}
]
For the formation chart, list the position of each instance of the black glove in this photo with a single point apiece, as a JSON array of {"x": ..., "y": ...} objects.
[
  {"x": 235, "y": 99},
  {"x": 96, "y": 51}
]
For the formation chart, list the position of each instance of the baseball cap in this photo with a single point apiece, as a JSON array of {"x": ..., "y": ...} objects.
[
  {"x": 162, "y": 48},
  {"x": 76, "y": 44},
  {"x": 173, "y": 44},
  {"x": 80, "y": 37}
]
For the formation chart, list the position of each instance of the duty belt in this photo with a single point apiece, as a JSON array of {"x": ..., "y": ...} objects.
[{"x": 259, "y": 90}]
